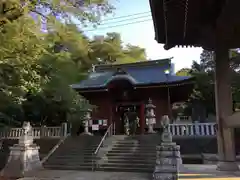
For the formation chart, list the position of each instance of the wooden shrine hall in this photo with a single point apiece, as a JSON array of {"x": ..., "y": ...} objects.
[{"x": 124, "y": 89}]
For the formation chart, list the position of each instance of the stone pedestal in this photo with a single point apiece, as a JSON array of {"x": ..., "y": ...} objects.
[
  {"x": 24, "y": 156},
  {"x": 150, "y": 129},
  {"x": 168, "y": 158},
  {"x": 167, "y": 162},
  {"x": 22, "y": 159}
]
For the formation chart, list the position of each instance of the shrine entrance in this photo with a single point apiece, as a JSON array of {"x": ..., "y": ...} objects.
[
  {"x": 127, "y": 119},
  {"x": 128, "y": 113}
]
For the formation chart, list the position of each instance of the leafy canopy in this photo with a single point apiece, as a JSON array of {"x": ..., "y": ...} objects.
[{"x": 42, "y": 52}]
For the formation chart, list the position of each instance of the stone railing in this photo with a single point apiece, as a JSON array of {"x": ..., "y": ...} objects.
[
  {"x": 38, "y": 132},
  {"x": 193, "y": 129}
]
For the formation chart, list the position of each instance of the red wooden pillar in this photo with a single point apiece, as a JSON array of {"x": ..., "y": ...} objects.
[{"x": 142, "y": 118}]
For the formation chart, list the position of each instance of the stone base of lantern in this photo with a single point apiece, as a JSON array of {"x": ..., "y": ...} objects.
[
  {"x": 167, "y": 162},
  {"x": 22, "y": 159}
]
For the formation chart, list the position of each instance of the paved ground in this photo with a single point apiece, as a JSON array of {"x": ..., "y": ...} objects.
[{"x": 188, "y": 172}]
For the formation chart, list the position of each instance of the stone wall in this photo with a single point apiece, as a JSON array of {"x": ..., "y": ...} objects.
[{"x": 197, "y": 145}]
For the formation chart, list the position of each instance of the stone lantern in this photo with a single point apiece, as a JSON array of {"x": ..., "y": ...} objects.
[
  {"x": 23, "y": 157},
  {"x": 87, "y": 118},
  {"x": 150, "y": 115}
]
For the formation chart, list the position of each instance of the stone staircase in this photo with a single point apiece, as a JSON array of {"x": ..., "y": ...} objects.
[
  {"x": 75, "y": 153},
  {"x": 132, "y": 154}
]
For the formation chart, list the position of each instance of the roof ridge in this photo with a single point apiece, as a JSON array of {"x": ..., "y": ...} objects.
[{"x": 148, "y": 63}]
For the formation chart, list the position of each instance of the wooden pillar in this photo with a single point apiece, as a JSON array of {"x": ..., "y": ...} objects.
[
  {"x": 223, "y": 101},
  {"x": 142, "y": 118}
]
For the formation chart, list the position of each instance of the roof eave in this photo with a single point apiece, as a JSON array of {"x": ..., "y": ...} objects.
[
  {"x": 154, "y": 20},
  {"x": 190, "y": 80},
  {"x": 168, "y": 84}
]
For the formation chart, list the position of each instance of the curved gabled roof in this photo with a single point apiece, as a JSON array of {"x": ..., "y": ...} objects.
[{"x": 153, "y": 74}]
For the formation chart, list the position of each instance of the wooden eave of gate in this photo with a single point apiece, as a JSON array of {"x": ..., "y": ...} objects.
[{"x": 209, "y": 23}]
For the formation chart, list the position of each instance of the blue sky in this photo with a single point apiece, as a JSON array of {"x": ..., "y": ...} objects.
[{"x": 142, "y": 34}]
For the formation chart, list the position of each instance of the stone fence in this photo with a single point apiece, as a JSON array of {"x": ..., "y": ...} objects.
[
  {"x": 193, "y": 129},
  {"x": 38, "y": 132},
  {"x": 177, "y": 130}
]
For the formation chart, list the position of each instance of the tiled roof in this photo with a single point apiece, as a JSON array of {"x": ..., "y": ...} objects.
[{"x": 137, "y": 75}]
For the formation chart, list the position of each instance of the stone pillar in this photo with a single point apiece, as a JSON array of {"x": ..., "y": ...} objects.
[
  {"x": 168, "y": 155},
  {"x": 64, "y": 128},
  {"x": 24, "y": 156},
  {"x": 223, "y": 101},
  {"x": 150, "y": 116},
  {"x": 43, "y": 131}
]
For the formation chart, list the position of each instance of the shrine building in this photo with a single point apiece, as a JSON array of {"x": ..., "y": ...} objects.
[{"x": 117, "y": 89}]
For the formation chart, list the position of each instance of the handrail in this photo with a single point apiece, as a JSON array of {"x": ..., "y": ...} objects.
[{"x": 109, "y": 132}]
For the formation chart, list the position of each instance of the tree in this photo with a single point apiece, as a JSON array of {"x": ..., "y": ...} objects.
[
  {"x": 109, "y": 49},
  {"x": 83, "y": 10},
  {"x": 37, "y": 66},
  {"x": 203, "y": 92},
  {"x": 42, "y": 52},
  {"x": 31, "y": 69},
  {"x": 183, "y": 72}
]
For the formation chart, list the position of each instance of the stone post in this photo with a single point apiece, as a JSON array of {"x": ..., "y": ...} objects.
[
  {"x": 64, "y": 129},
  {"x": 24, "y": 156},
  {"x": 150, "y": 115},
  {"x": 87, "y": 117},
  {"x": 168, "y": 155},
  {"x": 43, "y": 131}
]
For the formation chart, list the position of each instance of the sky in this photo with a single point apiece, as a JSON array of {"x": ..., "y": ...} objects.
[{"x": 142, "y": 33}]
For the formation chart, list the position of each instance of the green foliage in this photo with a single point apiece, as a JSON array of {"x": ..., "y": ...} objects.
[
  {"x": 203, "y": 92},
  {"x": 183, "y": 72},
  {"x": 83, "y": 10},
  {"x": 37, "y": 68},
  {"x": 109, "y": 49}
]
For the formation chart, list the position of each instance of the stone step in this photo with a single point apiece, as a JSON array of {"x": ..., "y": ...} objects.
[
  {"x": 124, "y": 158},
  {"x": 79, "y": 152},
  {"x": 135, "y": 145},
  {"x": 135, "y": 159},
  {"x": 70, "y": 163},
  {"x": 69, "y": 167},
  {"x": 131, "y": 161},
  {"x": 72, "y": 156},
  {"x": 129, "y": 154},
  {"x": 67, "y": 147},
  {"x": 126, "y": 167},
  {"x": 133, "y": 151}
]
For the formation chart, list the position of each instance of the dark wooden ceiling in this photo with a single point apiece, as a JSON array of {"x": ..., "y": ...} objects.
[{"x": 208, "y": 23}]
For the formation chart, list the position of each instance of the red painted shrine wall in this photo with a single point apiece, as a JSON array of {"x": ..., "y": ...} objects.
[
  {"x": 102, "y": 103},
  {"x": 105, "y": 101}
]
